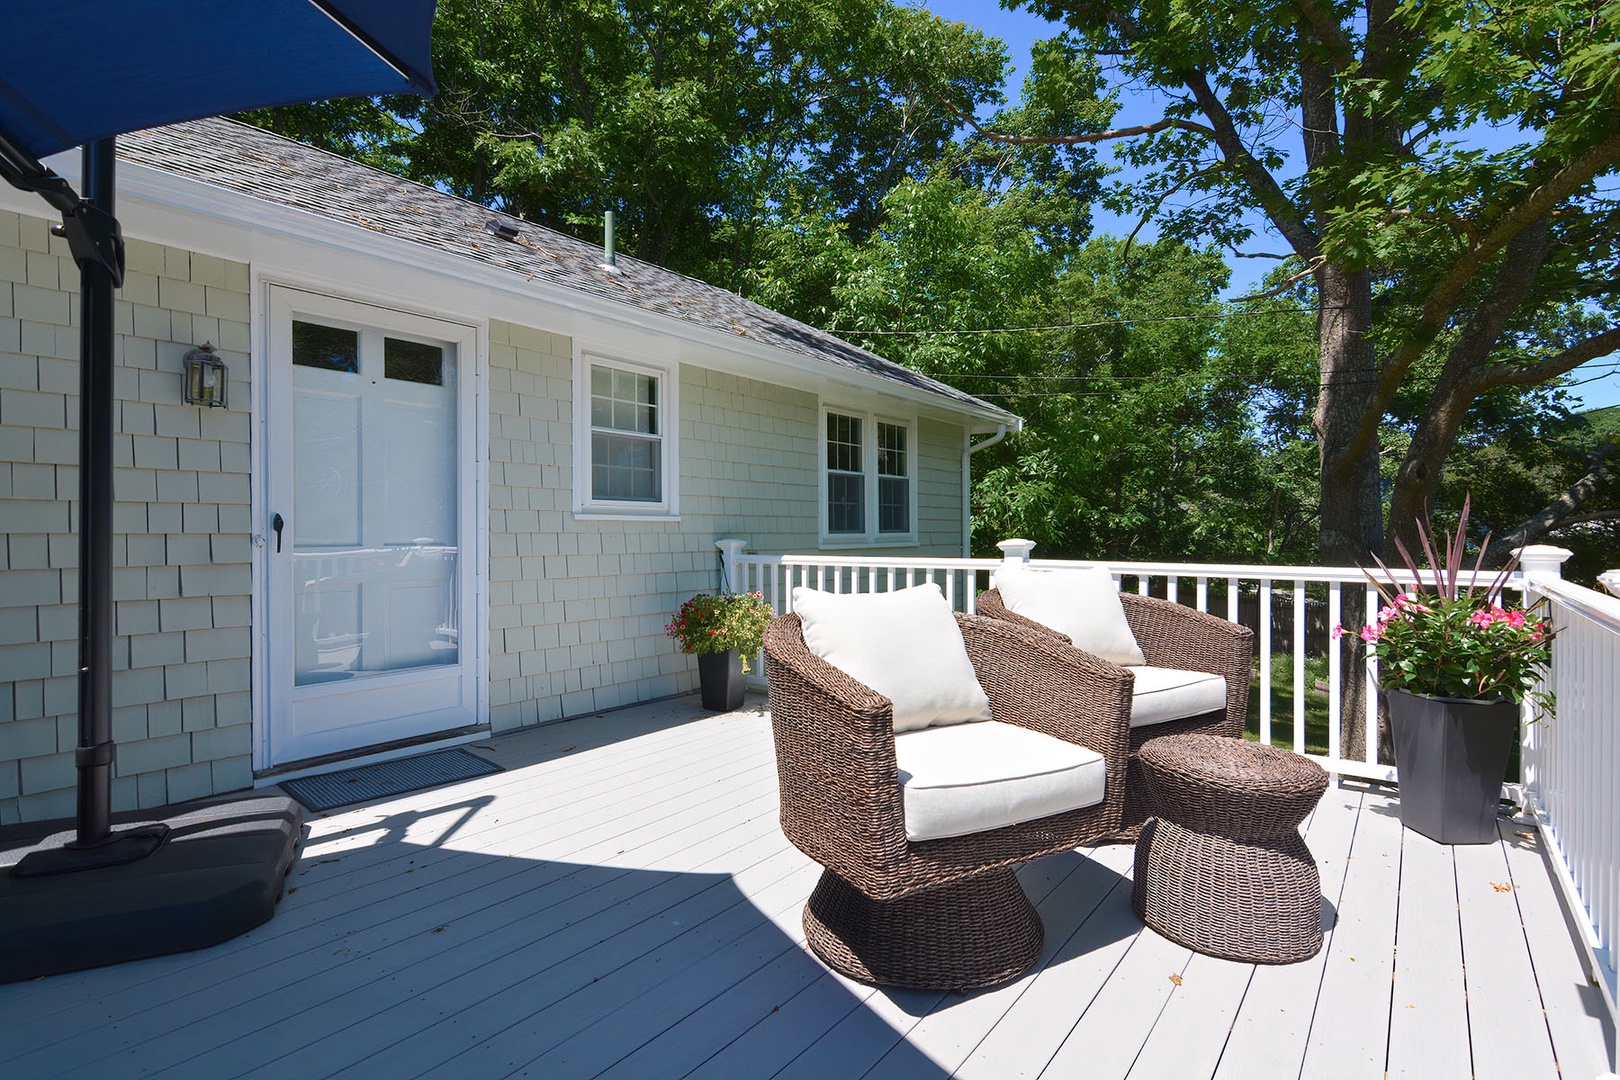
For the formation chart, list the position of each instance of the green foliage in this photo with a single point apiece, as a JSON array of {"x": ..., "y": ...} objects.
[
  {"x": 1464, "y": 647},
  {"x": 710, "y": 624},
  {"x": 1407, "y": 161},
  {"x": 1447, "y": 639},
  {"x": 695, "y": 122}
]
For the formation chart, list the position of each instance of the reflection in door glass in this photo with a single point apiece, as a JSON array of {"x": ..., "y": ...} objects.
[{"x": 375, "y": 522}]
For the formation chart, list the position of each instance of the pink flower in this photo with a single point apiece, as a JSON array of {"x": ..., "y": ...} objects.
[
  {"x": 1337, "y": 632},
  {"x": 1371, "y": 633}
]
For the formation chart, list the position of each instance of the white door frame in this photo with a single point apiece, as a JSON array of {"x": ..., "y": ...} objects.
[{"x": 472, "y": 497}]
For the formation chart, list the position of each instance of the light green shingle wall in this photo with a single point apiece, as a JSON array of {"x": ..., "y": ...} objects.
[
  {"x": 182, "y": 576},
  {"x": 577, "y": 607}
]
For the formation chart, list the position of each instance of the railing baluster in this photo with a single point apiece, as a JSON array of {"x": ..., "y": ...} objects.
[
  {"x": 1265, "y": 660},
  {"x": 1172, "y": 588},
  {"x": 1335, "y": 671},
  {"x": 1203, "y": 593},
  {"x": 1299, "y": 667},
  {"x": 1232, "y": 599},
  {"x": 1369, "y": 753}
]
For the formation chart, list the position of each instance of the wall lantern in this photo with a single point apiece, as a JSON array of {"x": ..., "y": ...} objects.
[{"x": 205, "y": 377}]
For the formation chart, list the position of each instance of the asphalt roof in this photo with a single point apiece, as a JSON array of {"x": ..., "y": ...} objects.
[{"x": 262, "y": 165}]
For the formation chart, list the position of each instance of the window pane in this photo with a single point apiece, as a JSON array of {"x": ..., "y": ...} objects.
[
  {"x": 413, "y": 361},
  {"x": 846, "y": 503},
  {"x": 624, "y": 400},
  {"x": 844, "y": 443},
  {"x": 625, "y": 468},
  {"x": 317, "y": 346},
  {"x": 894, "y": 505},
  {"x": 891, "y": 450}
]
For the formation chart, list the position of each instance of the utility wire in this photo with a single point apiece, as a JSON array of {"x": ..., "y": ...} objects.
[{"x": 1086, "y": 325}]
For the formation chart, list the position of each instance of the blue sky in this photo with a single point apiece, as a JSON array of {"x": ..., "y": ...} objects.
[{"x": 1019, "y": 29}]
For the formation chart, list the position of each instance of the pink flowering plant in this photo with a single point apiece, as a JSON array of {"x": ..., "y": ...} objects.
[
  {"x": 1444, "y": 639},
  {"x": 711, "y": 624}
]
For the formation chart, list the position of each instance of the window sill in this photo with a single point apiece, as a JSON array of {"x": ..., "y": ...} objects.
[
  {"x": 624, "y": 515},
  {"x": 858, "y": 543}
]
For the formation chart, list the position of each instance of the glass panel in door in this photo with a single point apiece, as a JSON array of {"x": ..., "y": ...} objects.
[{"x": 375, "y": 537}]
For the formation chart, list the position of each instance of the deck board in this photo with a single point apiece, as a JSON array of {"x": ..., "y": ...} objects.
[{"x": 621, "y": 903}]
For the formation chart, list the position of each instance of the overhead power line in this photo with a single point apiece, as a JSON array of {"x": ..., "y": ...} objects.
[{"x": 1130, "y": 321}]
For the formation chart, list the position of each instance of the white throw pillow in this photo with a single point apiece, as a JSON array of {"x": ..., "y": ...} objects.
[
  {"x": 903, "y": 644},
  {"x": 1080, "y": 604}
]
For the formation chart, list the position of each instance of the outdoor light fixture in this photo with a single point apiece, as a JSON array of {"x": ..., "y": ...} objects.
[{"x": 205, "y": 377}]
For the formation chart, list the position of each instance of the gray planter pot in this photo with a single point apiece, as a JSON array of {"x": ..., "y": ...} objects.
[
  {"x": 1451, "y": 756},
  {"x": 720, "y": 677}
]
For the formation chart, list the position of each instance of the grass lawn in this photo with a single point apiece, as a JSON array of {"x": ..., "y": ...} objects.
[{"x": 1282, "y": 704}]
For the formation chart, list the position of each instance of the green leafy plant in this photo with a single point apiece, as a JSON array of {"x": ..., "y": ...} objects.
[
  {"x": 1445, "y": 639},
  {"x": 711, "y": 624}
]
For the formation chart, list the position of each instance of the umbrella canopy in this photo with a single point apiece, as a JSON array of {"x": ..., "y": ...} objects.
[
  {"x": 72, "y": 73},
  {"x": 81, "y": 73}
]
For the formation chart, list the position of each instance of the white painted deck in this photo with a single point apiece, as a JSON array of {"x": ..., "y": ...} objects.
[{"x": 621, "y": 903}]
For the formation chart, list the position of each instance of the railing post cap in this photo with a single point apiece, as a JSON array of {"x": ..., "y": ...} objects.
[
  {"x": 1016, "y": 550},
  {"x": 730, "y": 546},
  {"x": 1542, "y": 560}
]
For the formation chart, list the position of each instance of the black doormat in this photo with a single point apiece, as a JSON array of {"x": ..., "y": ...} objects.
[{"x": 333, "y": 789}]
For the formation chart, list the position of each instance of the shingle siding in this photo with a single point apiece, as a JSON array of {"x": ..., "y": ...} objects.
[
  {"x": 181, "y": 554},
  {"x": 576, "y": 606}
]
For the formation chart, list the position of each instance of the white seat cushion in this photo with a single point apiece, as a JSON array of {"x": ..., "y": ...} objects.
[
  {"x": 974, "y": 777},
  {"x": 1083, "y": 605},
  {"x": 1163, "y": 694},
  {"x": 903, "y": 644}
]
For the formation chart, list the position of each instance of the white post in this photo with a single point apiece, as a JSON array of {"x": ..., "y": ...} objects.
[
  {"x": 1538, "y": 562},
  {"x": 1014, "y": 554},
  {"x": 729, "y": 550},
  {"x": 1542, "y": 561}
]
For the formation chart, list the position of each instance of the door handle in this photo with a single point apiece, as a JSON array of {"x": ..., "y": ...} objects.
[{"x": 277, "y": 524}]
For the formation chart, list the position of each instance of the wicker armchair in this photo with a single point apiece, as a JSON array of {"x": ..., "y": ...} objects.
[
  {"x": 934, "y": 914},
  {"x": 1171, "y": 636}
]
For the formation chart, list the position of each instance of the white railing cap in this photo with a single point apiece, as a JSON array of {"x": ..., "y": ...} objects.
[
  {"x": 1016, "y": 550},
  {"x": 1542, "y": 560}
]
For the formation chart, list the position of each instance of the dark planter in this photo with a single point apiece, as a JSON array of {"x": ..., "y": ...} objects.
[
  {"x": 1451, "y": 755},
  {"x": 720, "y": 676}
]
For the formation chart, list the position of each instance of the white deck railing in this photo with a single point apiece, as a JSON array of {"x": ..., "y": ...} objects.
[
  {"x": 1281, "y": 603},
  {"x": 1570, "y": 765},
  {"x": 1572, "y": 769}
]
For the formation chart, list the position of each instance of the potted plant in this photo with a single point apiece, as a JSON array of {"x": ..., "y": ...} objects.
[
  {"x": 723, "y": 632},
  {"x": 1458, "y": 666}
]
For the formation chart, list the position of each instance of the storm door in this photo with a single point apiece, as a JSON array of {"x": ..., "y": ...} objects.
[{"x": 368, "y": 555}]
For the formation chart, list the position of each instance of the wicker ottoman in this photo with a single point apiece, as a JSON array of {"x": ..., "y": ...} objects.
[{"x": 1223, "y": 869}]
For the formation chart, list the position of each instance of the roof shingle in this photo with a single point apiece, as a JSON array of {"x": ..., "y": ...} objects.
[{"x": 261, "y": 165}]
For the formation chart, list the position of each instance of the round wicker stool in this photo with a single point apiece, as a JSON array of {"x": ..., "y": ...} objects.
[{"x": 1223, "y": 869}]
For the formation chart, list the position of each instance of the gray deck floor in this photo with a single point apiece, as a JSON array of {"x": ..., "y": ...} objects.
[{"x": 621, "y": 903}]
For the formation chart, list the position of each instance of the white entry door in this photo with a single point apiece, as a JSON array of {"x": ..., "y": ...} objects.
[{"x": 370, "y": 529}]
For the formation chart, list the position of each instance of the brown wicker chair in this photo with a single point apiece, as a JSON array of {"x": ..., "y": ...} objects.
[
  {"x": 945, "y": 914},
  {"x": 1171, "y": 636}
]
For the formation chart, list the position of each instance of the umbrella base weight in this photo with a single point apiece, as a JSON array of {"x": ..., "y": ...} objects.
[
  {"x": 119, "y": 848},
  {"x": 218, "y": 874}
]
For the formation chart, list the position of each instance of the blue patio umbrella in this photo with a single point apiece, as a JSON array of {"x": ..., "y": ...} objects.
[{"x": 80, "y": 73}]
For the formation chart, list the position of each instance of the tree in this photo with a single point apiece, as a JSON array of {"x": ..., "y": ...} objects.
[
  {"x": 1442, "y": 269},
  {"x": 695, "y": 122}
]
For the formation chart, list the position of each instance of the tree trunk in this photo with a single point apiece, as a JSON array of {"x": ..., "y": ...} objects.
[{"x": 1352, "y": 512}]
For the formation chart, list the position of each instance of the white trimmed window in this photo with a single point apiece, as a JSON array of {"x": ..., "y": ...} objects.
[
  {"x": 624, "y": 444},
  {"x": 868, "y": 478}
]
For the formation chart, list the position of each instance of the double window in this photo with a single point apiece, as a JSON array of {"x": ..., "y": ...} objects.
[
  {"x": 867, "y": 484},
  {"x": 625, "y": 452}
]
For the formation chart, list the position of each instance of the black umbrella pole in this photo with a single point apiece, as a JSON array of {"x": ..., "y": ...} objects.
[
  {"x": 96, "y": 426},
  {"x": 97, "y": 248}
]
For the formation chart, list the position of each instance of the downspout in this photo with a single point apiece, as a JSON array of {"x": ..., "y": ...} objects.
[{"x": 969, "y": 448}]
